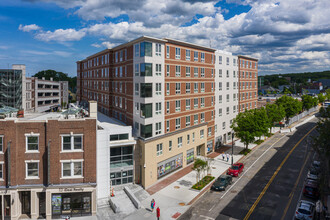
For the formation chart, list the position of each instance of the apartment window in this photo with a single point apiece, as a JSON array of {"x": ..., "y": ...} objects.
[
  {"x": 220, "y": 99},
  {"x": 158, "y": 128},
  {"x": 220, "y": 112},
  {"x": 209, "y": 132},
  {"x": 177, "y": 70},
  {"x": 215, "y": 128},
  {"x": 167, "y": 107},
  {"x": 220, "y": 59},
  {"x": 187, "y": 54},
  {"x": 72, "y": 142},
  {"x": 227, "y": 85},
  {"x": 146, "y": 90},
  {"x": 234, "y": 85},
  {"x": 234, "y": 97},
  {"x": 195, "y": 71},
  {"x": 227, "y": 73},
  {"x": 169, "y": 145},
  {"x": 203, "y": 57},
  {"x": 158, "y": 108},
  {"x": 136, "y": 88},
  {"x": 177, "y": 123},
  {"x": 220, "y": 86},
  {"x": 32, "y": 143},
  {"x": 195, "y": 102},
  {"x": 212, "y": 100},
  {"x": 234, "y": 62},
  {"x": 177, "y": 105},
  {"x": 223, "y": 125},
  {"x": 227, "y": 110},
  {"x": 202, "y": 117},
  {"x": 227, "y": 96},
  {"x": 72, "y": 169},
  {"x": 158, "y": 49},
  {"x": 121, "y": 56},
  {"x": 187, "y": 121},
  {"x": 146, "y": 49},
  {"x": 212, "y": 87},
  {"x": 1, "y": 170},
  {"x": 1, "y": 143},
  {"x": 145, "y": 110},
  {"x": 193, "y": 137},
  {"x": 167, "y": 70},
  {"x": 202, "y": 87},
  {"x": 202, "y": 102},
  {"x": 196, "y": 119},
  {"x": 158, "y": 88},
  {"x": 187, "y": 71},
  {"x": 195, "y": 55},
  {"x": 195, "y": 87},
  {"x": 201, "y": 133},
  {"x": 187, "y": 87},
  {"x": 234, "y": 109},
  {"x": 159, "y": 149},
  {"x": 167, "y": 88},
  {"x": 177, "y": 88},
  {"x": 158, "y": 69},
  {"x": 179, "y": 142},
  {"x": 146, "y": 130},
  {"x": 188, "y": 139},
  {"x": 167, "y": 51},
  {"x": 187, "y": 104},
  {"x": 227, "y": 61},
  {"x": 234, "y": 74},
  {"x": 177, "y": 53},
  {"x": 146, "y": 69},
  {"x": 202, "y": 72},
  {"x": 32, "y": 169},
  {"x": 220, "y": 73}
]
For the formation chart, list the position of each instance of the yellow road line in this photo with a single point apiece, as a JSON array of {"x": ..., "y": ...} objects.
[{"x": 274, "y": 175}]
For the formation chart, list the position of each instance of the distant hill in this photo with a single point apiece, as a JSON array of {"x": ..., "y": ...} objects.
[{"x": 58, "y": 76}]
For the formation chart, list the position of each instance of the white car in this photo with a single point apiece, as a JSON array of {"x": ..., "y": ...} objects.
[
  {"x": 312, "y": 174},
  {"x": 305, "y": 210}
]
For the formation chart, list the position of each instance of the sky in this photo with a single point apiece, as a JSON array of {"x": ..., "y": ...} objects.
[{"x": 285, "y": 35}]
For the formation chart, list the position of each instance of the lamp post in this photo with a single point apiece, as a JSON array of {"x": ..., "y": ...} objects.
[{"x": 232, "y": 147}]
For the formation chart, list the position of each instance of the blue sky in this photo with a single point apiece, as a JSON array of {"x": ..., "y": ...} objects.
[{"x": 285, "y": 35}]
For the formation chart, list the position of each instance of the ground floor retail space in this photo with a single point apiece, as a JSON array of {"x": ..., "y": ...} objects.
[{"x": 47, "y": 203}]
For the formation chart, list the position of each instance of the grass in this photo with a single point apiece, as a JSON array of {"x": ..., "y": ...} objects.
[
  {"x": 258, "y": 142},
  {"x": 245, "y": 151},
  {"x": 203, "y": 182},
  {"x": 269, "y": 135}
]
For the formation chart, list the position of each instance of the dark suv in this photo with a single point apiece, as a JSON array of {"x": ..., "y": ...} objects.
[{"x": 221, "y": 183}]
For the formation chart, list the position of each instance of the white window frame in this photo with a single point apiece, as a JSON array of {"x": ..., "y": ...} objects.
[
  {"x": 195, "y": 119},
  {"x": 177, "y": 53},
  {"x": 195, "y": 104},
  {"x": 187, "y": 104},
  {"x": 72, "y": 161},
  {"x": 158, "y": 49},
  {"x": 179, "y": 142},
  {"x": 137, "y": 91},
  {"x": 167, "y": 107},
  {"x": 170, "y": 145},
  {"x": 209, "y": 132},
  {"x": 158, "y": 89},
  {"x": 158, "y": 71},
  {"x": 167, "y": 70},
  {"x": 220, "y": 73},
  {"x": 202, "y": 117},
  {"x": 201, "y": 134},
  {"x": 177, "y": 105},
  {"x": 195, "y": 57},
  {"x": 177, "y": 123},
  {"x": 167, "y": 88},
  {"x": 26, "y": 142},
  {"x": 188, "y": 73},
  {"x": 167, "y": 126},
  {"x": 72, "y": 143},
  {"x": 177, "y": 88},
  {"x": 158, "y": 128},
  {"x": 202, "y": 87},
  {"x": 158, "y": 108},
  {"x": 227, "y": 110},
  {"x": 188, "y": 121},
  {"x": 187, "y": 56},
  {"x": 195, "y": 87},
  {"x": 195, "y": 71},
  {"x": 202, "y": 102},
  {"x": 167, "y": 51},
  {"x": 26, "y": 169},
  {"x": 220, "y": 112},
  {"x": 202, "y": 57},
  {"x": 223, "y": 125},
  {"x": 159, "y": 149},
  {"x": 188, "y": 87},
  {"x": 177, "y": 71}
]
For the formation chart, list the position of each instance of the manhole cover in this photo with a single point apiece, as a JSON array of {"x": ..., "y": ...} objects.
[
  {"x": 176, "y": 187},
  {"x": 233, "y": 191},
  {"x": 182, "y": 203},
  {"x": 214, "y": 168}
]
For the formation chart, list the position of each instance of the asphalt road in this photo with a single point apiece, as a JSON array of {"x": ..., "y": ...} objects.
[{"x": 270, "y": 186}]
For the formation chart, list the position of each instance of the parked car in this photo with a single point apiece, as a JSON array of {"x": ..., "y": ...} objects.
[
  {"x": 316, "y": 165},
  {"x": 305, "y": 210},
  {"x": 222, "y": 182},
  {"x": 311, "y": 189},
  {"x": 235, "y": 169},
  {"x": 313, "y": 174}
]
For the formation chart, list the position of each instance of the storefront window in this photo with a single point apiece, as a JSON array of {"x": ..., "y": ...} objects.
[
  {"x": 121, "y": 165},
  {"x": 190, "y": 156},
  {"x": 169, "y": 165},
  {"x": 71, "y": 204}
]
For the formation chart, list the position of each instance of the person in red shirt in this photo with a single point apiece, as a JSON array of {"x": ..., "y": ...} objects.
[{"x": 158, "y": 212}]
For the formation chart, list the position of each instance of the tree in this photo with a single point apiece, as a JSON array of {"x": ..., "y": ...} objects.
[
  {"x": 244, "y": 127},
  {"x": 321, "y": 98},
  {"x": 58, "y": 76},
  {"x": 328, "y": 94},
  {"x": 199, "y": 166},
  {"x": 308, "y": 101},
  {"x": 262, "y": 123},
  {"x": 291, "y": 106},
  {"x": 275, "y": 113}
]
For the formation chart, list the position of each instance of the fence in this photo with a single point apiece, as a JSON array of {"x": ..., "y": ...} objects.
[{"x": 301, "y": 115}]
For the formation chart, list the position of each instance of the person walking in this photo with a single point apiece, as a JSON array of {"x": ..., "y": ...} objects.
[
  {"x": 223, "y": 155},
  {"x": 158, "y": 213},
  {"x": 227, "y": 155},
  {"x": 153, "y": 203}
]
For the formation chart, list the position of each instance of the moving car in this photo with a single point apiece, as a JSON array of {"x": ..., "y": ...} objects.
[
  {"x": 305, "y": 210},
  {"x": 222, "y": 182},
  {"x": 311, "y": 189},
  {"x": 235, "y": 169}
]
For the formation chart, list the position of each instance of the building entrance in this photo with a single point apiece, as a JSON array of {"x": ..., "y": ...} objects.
[
  {"x": 26, "y": 202},
  {"x": 42, "y": 204}
]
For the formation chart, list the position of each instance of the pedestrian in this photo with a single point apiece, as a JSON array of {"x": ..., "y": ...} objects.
[
  {"x": 227, "y": 155},
  {"x": 153, "y": 203},
  {"x": 223, "y": 155},
  {"x": 318, "y": 209},
  {"x": 158, "y": 212}
]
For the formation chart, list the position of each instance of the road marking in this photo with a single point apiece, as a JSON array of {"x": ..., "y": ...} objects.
[
  {"x": 212, "y": 207},
  {"x": 274, "y": 175},
  {"x": 206, "y": 217},
  {"x": 250, "y": 167},
  {"x": 295, "y": 186}
]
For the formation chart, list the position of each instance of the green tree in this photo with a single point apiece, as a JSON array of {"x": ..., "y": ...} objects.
[
  {"x": 199, "y": 166},
  {"x": 58, "y": 76},
  {"x": 307, "y": 101},
  {"x": 321, "y": 98},
  {"x": 328, "y": 94},
  {"x": 244, "y": 127},
  {"x": 291, "y": 106},
  {"x": 261, "y": 122},
  {"x": 275, "y": 113}
]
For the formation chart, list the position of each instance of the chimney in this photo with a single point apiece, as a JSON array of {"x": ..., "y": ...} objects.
[{"x": 92, "y": 109}]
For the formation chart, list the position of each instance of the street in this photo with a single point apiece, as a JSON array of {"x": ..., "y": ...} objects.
[{"x": 269, "y": 187}]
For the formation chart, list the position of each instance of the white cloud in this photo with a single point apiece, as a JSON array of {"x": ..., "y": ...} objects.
[
  {"x": 61, "y": 35},
  {"x": 47, "y": 53},
  {"x": 28, "y": 28}
]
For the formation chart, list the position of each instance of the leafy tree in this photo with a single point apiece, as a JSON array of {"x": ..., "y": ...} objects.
[
  {"x": 199, "y": 167},
  {"x": 321, "y": 98},
  {"x": 58, "y": 76},
  {"x": 308, "y": 102},
  {"x": 328, "y": 94},
  {"x": 291, "y": 106},
  {"x": 286, "y": 91},
  {"x": 275, "y": 113},
  {"x": 244, "y": 127},
  {"x": 262, "y": 123}
]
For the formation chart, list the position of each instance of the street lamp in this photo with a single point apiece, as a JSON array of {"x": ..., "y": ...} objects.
[{"x": 232, "y": 147}]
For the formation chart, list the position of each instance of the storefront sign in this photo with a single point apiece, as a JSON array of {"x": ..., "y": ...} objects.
[
  {"x": 56, "y": 204},
  {"x": 71, "y": 189}
]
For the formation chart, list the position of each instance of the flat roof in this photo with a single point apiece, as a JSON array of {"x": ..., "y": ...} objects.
[
  {"x": 183, "y": 43},
  {"x": 246, "y": 57}
]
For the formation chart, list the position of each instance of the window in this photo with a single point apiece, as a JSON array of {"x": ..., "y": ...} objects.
[
  {"x": 202, "y": 57},
  {"x": 177, "y": 123},
  {"x": 71, "y": 169},
  {"x": 177, "y": 53},
  {"x": 234, "y": 62},
  {"x": 137, "y": 107},
  {"x": 146, "y": 69},
  {"x": 159, "y": 149},
  {"x": 136, "y": 88},
  {"x": 220, "y": 73},
  {"x": 212, "y": 87},
  {"x": 195, "y": 87},
  {"x": 187, "y": 87},
  {"x": 179, "y": 142},
  {"x": 32, "y": 169},
  {"x": 145, "y": 49},
  {"x": 169, "y": 145},
  {"x": 227, "y": 61},
  {"x": 146, "y": 130},
  {"x": 209, "y": 132},
  {"x": 158, "y": 108},
  {"x": 167, "y": 70},
  {"x": 227, "y": 73},
  {"x": 220, "y": 99},
  {"x": 158, "y": 69},
  {"x": 201, "y": 133},
  {"x": 146, "y": 90},
  {"x": 167, "y": 126},
  {"x": 202, "y": 72},
  {"x": 227, "y": 85},
  {"x": 187, "y": 54},
  {"x": 188, "y": 139},
  {"x": 234, "y": 109},
  {"x": 177, "y": 70},
  {"x": 137, "y": 69},
  {"x": 187, "y": 104},
  {"x": 195, "y": 55},
  {"x": 227, "y": 96},
  {"x": 177, "y": 105},
  {"x": 167, "y": 88},
  {"x": 220, "y": 86},
  {"x": 167, "y": 51},
  {"x": 202, "y": 102},
  {"x": 146, "y": 110},
  {"x": 234, "y": 74},
  {"x": 195, "y": 102},
  {"x": 187, "y": 121},
  {"x": 202, "y": 87},
  {"x": 1, "y": 170},
  {"x": 158, "y": 128},
  {"x": 32, "y": 143},
  {"x": 220, "y": 59},
  {"x": 187, "y": 71},
  {"x": 118, "y": 137},
  {"x": 195, "y": 72},
  {"x": 202, "y": 117},
  {"x": 158, "y": 49},
  {"x": 72, "y": 142},
  {"x": 234, "y": 97},
  {"x": 220, "y": 112},
  {"x": 193, "y": 137},
  {"x": 167, "y": 107},
  {"x": 223, "y": 125},
  {"x": 177, "y": 88},
  {"x": 227, "y": 111},
  {"x": 196, "y": 119},
  {"x": 1, "y": 144},
  {"x": 158, "y": 88}
]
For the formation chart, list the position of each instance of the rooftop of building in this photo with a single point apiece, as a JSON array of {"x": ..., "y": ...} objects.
[{"x": 247, "y": 57}]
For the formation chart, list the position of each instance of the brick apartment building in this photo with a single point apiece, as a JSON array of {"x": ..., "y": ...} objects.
[
  {"x": 164, "y": 89},
  {"x": 248, "y": 79},
  {"x": 47, "y": 166}
]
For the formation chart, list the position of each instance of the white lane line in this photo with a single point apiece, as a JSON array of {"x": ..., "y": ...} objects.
[
  {"x": 212, "y": 207},
  {"x": 206, "y": 217},
  {"x": 250, "y": 167}
]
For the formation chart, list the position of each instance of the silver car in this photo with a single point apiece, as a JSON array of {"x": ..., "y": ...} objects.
[{"x": 305, "y": 210}]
